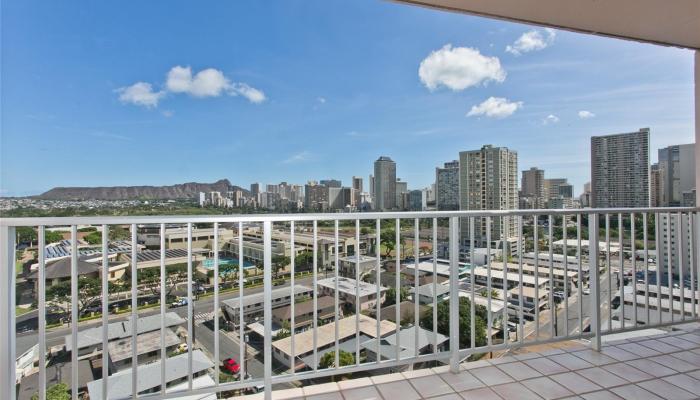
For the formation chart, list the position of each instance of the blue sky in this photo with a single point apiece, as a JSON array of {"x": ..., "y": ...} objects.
[{"x": 299, "y": 90}]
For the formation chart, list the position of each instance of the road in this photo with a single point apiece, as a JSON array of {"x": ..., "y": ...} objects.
[{"x": 573, "y": 312}]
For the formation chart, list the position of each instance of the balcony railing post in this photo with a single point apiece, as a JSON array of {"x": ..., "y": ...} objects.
[
  {"x": 267, "y": 318},
  {"x": 7, "y": 313},
  {"x": 594, "y": 271},
  {"x": 454, "y": 294}
]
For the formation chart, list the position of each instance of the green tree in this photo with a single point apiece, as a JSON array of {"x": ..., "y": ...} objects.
[
  {"x": 391, "y": 296},
  {"x": 328, "y": 359},
  {"x": 59, "y": 391},
  {"x": 278, "y": 263},
  {"x": 388, "y": 239},
  {"x": 26, "y": 234},
  {"x": 53, "y": 237},
  {"x": 443, "y": 314},
  {"x": 89, "y": 292}
]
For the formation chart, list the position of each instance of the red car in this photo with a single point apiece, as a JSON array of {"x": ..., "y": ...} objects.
[{"x": 231, "y": 366}]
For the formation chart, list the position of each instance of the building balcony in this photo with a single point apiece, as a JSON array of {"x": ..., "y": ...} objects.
[{"x": 589, "y": 303}]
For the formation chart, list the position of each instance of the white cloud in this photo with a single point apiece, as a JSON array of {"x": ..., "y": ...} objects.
[
  {"x": 583, "y": 114},
  {"x": 168, "y": 113},
  {"x": 298, "y": 157},
  {"x": 533, "y": 40},
  {"x": 252, "y": 94},
  {"x": 550, "y": 119},
  {"x": 459, "y": 68},
  {"x": 208, "y": 82},
  {"x": 321, "y": 100},
  {"x": 495, "y": 107},
  {"x": 140, "y": 94}
]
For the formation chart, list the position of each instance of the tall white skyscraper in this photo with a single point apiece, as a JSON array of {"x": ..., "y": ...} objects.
[
  {"x": 620, "y": 170},
  {"x": 676, "y": 171},
  {"x": 447, "y": 186},
  {"x": 357, "y": 186},
  {"x": 384, "y": 184},
  {"x": 488, "y": 180}
]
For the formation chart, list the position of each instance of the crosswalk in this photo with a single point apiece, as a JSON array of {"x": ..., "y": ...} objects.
[{"x": 201, "y": 317}]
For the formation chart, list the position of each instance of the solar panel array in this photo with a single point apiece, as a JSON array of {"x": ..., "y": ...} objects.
[
  {"x": 154, "y": 255},
  {"x": 63, "y": 249}
]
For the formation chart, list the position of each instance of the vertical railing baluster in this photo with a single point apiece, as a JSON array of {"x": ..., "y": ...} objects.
[
  {"x": 41, "y": 304},
  {"x": 454, "y": 294},
  {"x": 74, "y": 310},
  {"x": 691, "y": 244},
  {"x": 621, "y": 272},
  {"x": 633, "y": 250},
  {"x": 472, "y": 311},
  {"x": 521, "y": 338},
  {"x": 163, "y": 300},
  {"x": 593, "y": 257},
  {"x": 243, "y": 354},
  {"x": 217, "y": 360},
  {"x": 190, "y": 308},
  {"x": 292, "y": 304},
  {"x": 608, "y": 270},
  {"x": 669, "y": 264},
  {"x": 105, "y": 310},
  {"x": 397, "y": 303},
  {"x": 134, "y": 314},
  {"x": 377, "y": 253},
  {"x": 267, "y": 316},
  {"x": 315, "y": 292},
  {"x": 646, "y": 266},
  {"x": 435, "y": 303},
  {"x": 357, "y": 292},
  {"x": 337, "y": 304},
  {"x": 505, "y": 228},
  {"x": 681, "y": 280},
  {"x": 416, "y": 234},
  {"x": 8, "y": 348},
  {"x": 552, "y": 306},
  {"x": 565, "y": 253},
  {"x": 657, "y": 218},
  {"x": 579, "y": 262},
  {"x": 535, "y": 237},
  {"x": 489, "y": 284}
]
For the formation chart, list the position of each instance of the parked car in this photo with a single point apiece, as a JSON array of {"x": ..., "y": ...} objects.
[
  {"x": 181, "y": 302},
  {"x": 231, "y": 366}
]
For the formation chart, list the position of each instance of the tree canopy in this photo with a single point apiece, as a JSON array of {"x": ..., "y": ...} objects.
[{"x": 443, "y": 317}]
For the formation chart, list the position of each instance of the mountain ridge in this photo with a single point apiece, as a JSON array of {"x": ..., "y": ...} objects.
[{"x": 188, "y": 190}]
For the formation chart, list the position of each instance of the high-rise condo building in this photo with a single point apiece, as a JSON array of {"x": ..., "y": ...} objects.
[
  {"x": 620, "y": 170},
  {"x": 447, "y": 186},
  {"x": 384, "y": 184},
  {"x": 676, "y": 171},
  {"x": 401, "y": 190},
  {"x": 357, "y": 187},
  {"x": 488, "y": 180},
  {"x": 532, "y": 194}
]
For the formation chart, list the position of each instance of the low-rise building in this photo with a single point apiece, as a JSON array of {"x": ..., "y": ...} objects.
[
  {"x": 304, "y": 313},
  {"x": 352, "y": 292},
  {"x": 427, "y": 294},
  {"x": 304, "y": 344},
  {"x": 253, "y": 304},
  {"x": 348, "y": 264},
  {"x": 119, "y": 384},
  {"x": 428, "y": 342},
  {"x": 148, "y": 349}
]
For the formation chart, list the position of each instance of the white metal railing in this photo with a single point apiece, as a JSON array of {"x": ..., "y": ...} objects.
[{"x": 584, "y": 313}]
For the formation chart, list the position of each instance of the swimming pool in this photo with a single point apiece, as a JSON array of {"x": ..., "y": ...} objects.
[{"x": 209, "y": 263}]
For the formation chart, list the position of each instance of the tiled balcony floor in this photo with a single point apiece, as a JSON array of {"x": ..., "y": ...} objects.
[{"x": 663, "y": 366}]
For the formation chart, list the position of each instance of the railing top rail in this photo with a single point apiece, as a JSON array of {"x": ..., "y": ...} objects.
[{"x": 182, "y": 219}]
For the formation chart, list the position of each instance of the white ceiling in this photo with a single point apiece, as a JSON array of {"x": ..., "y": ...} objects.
[{"x": 666, "y": 22}]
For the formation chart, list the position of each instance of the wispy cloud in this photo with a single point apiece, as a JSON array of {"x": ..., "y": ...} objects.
[
  {"x": 495, "y": 107},
  {"x": 550, "y": 119},
  {"x": 533, "y": 40},
  {"x": 209, "y": 82},
  {"x": 584, "y": 114},
  {"x": 298, "y": 157}
]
